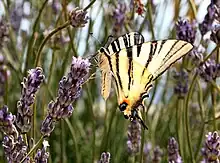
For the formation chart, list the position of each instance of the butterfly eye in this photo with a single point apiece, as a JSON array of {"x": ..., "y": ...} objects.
[
  {"x": 126, "y": 117},
  {"x": 123, "y": 106},
  {"x": 102, "y": 50}
]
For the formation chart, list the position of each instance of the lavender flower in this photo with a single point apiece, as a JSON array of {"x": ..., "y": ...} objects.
[
  {"x": 48, "y": 125},
  {"x": 16, "y": 17},
  {"x": 157, "y": 155},
  {"x": 4, "y": 32},
  {"x": 105, "y": 158},
  {"x": 7, "y": 123},
  {"x": 173, "y": 151},
  {"x": 70, "y": 88},
  {"x": 15, "y": 149},
  {"x": 212, "y": 15},
  {"x": 56, "y": 6},
  {"x": 196, "y": 55},
  {"x": 14, "y": 146},
  {"x": 4, "y": 74},
  {"x": 185, "y": 30},
  {"x": 78, "y": 18},
  {"x": 119, "y": 17},
  {"x": 209, "y": 70},
  {"x": 181, "y": 87},
  {"x": 211, "y": 149},
  {"x": 134, "y": 137},
  {"x": 215, "y": 35},
  {"x": 147, "y": 149},
  {"x": 30, "y": 86},
  {"x": 41, "y": 155}
]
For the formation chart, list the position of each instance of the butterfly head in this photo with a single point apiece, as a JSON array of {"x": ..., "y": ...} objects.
[{"x": 131, "y": 113}]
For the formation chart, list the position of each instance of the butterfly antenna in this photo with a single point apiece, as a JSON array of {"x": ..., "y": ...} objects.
[
  {"x": 140, "y": 119},
  {"x": 142, "y": 122},
  {"x": 91, "y": 34},
  {"x": 109, "y": 40}
]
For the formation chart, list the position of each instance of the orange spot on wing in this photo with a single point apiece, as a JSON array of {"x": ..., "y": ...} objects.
[{"x": 126, "y": 101}]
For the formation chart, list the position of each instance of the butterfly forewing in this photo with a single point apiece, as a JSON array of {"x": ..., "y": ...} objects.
[
  {"x": 134, "y": 68},
  {"x": 123, "y": 42}
]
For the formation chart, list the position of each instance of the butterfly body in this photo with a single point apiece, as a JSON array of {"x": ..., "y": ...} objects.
[{"x": 134, "y": 65}]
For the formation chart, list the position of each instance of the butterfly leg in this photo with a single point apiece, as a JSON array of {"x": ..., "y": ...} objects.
[{"x": 137, "y": 114}]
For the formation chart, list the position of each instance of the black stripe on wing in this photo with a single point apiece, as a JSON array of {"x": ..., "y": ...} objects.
[
  {"x": 130, "y": 66},
  {"x": 153, "y": 48},
  {"x": 161, "y": 45},
  {"x": 117, "y": 70},
  {"x": 124, "y": 41},
  {"x": 111, "y": 67},
  {"x": 173, "y": 61}
]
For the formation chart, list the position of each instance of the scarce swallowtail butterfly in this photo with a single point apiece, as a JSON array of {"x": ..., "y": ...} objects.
[{"x": 134, "y": 65}]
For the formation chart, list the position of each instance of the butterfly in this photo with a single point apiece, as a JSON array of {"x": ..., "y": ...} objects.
[{"x": 135, "y": 65}]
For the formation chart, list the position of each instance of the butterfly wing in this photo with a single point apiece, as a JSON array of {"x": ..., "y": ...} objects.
[
  {"x": 125, "y": 41},
  {"x": 106, "y": 76},
  {"x": 135, "y": 68}
]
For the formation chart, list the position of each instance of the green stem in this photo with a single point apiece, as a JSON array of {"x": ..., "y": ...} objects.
[
  {"x": 213, "y": 96},
  {"x": 30, "y": 43},
  {"x": 193, "y": 8},
  {"x": 142, "y": 139},
  {"x": 63, "y": 144},
  {"x": 34, "y": 121},
  {"x": 6, "y": 92},
  {"x": 150, "y": 19},
  {"x": 93, "y": 122},
  {"x": 33, "y": 148},
  {"x": 202, "y": 131},
  {"x": 69, "y": 32},
  {"x": 76, "y": 150},
  {"x": 67, "y": 23},
  {"x": 189, "y": 95},
  {"x": 215, "y": 85},
  {"x": 179, "y": 125}
]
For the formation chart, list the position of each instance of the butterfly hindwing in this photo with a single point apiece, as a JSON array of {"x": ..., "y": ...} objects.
[{"x": 106, "y": 76}]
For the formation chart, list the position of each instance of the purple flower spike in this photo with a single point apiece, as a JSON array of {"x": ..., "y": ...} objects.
[
  {"x": 119, "y": 17},
  {"x": 209, "y": 70},
  {"x": 70, "y": 88},
  {"x": 173, "y": 151},
  {"x": 105, "y": 158},
  {"x": 15, "y": 149},
  {"x": 181, "y": 87},
  {"x": 41, "y": 155},
  {"x": 78, "y": 18},
  {"x": 211, "y": 150},
  {"x": 206, "y": 25},
  {"x": 215, "y": 35},
  {"x": 6, "y": 122},
  {"x": 47, "y": 126},
  {"x": 30, "y": 86},
  {"x": 157, "y": 155},
  {"x": 185, "y": 30},
  {"x": 134, "y": 137},
  {"x": 4, "y": 32}
]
